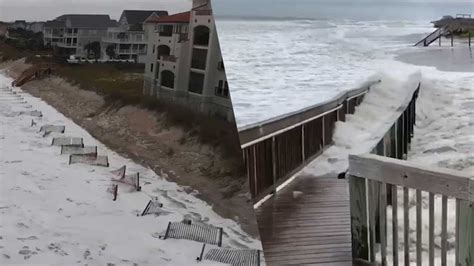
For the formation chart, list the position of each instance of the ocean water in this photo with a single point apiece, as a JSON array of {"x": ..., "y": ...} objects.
[{"x": 279, "y": 66}]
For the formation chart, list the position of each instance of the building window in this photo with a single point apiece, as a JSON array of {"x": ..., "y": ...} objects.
[
  {"x": 199, "y": 59},
  {"x": 166, "y": 30},
  {"x": 151, "y": 68},
  {"x": 153, "y": 49},
  {"x": 196, "y": 82},
  {"x": 222, "y": 89},
  {"x": 163, "y": 50},
  {"x": 201, "y": 36},
  {"x": 167, "y": 79}
]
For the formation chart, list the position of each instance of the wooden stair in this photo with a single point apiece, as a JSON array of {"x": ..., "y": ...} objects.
[
  {"x": 435, "y": 35},
  {"x": 35, "y": 71}
]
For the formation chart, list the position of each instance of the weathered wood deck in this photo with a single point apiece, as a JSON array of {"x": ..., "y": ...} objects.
[{"x": 308, "y": 222}]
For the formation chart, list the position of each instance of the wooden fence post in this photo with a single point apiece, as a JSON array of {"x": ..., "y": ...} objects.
[
  {"x": 465, "y": 233},
  {"x": 469, "y": 36},
  {"x": 115, "y": 192},
  {"x": 359, "y": 230}
]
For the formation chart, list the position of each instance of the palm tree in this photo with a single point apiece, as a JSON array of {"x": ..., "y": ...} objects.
[
  {"x": 110, "y": 50},
  {"x": 94, "y": 47}
]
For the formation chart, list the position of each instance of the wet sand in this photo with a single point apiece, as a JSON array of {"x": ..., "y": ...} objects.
[{"x": 444, "y": 58}]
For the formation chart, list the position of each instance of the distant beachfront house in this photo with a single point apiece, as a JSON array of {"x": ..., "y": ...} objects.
[
  {"x": 184, "y": 62},
  {"x": 3, "y": 28},
  {"x": 18, "y": 24},
  {"x": 128, "y": 38},
  {"x": 35, "y": 27},
  {"x": 74, "y": 31}
]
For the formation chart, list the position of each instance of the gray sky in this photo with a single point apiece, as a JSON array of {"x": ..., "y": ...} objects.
[
  {"x": 369, "y": 9},
  {"x": 34, "y": 10},
  {"x": 31, "y": 10}
]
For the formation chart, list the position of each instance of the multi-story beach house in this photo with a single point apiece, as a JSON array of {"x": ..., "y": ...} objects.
[
  {"x": 184, "y": 62},
  {"x": 128, "y": 38},
  {"x": 73, "y": 32}
]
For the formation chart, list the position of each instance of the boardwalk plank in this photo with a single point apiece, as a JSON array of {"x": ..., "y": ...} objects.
[{"x": 308, "y": 222}]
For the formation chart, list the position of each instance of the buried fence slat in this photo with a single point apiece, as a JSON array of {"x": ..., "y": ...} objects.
[
  {"x": 419, "y": 228},
  {"x": 383, "y": 222},
  {"x": 358, "y": 206},
  {"x": 465, "y": 233},
  {"x": 395, "y": 224},
  {"x": 431, "y": 230},
  {"x": 406, "y": 225},
  {"x": 444, "y": 230}
]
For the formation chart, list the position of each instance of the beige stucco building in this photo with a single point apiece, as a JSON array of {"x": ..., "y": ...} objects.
[{"x": 184, "y": 62}]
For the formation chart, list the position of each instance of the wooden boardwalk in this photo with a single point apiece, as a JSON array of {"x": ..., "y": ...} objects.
[{"x": 308, "y": 222}]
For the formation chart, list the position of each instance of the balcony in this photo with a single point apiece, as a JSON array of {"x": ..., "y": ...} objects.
[
  {"x": 125, "y": 40},
  {"x": 68, "y": 34},
  {"x": 168, "y": 58},
  {"x": 66, "y": 45},
  {"x": 131, "y": 51}
]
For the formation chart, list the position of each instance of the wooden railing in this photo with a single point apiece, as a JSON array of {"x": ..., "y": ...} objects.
[
  {"x": 374, "y": 182},
  {"x": 274, "y": 150},
  {"x": 372, "y": 176}
]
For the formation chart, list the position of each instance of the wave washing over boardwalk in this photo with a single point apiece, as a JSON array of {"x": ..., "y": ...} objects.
[
  {"x": 279, "y": 66},
  {"x": 58, "y": 214}
]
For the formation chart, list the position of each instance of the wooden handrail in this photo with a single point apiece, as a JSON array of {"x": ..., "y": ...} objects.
[
  {"x": 436, "y": 180},
  {"x": 265, "y": 128}
]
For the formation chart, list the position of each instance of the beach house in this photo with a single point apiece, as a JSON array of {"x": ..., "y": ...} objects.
[
  {"x": 72, "y": 32},
  {"x": 127, "y": 40},
  {"x": 184, "y": 63}
]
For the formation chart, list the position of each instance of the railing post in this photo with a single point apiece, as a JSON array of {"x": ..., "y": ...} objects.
[
  {"x": 302, "y": 143},
  {"x": 323, "y": 134},
  {"x": 464, "y": 233},
  {"x": 254, "y": 168},
  {"x": 359, "y": 230},
  {"x": 274, "y": 161}
]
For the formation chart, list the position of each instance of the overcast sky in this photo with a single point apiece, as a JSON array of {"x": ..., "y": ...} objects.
[
  {"x": 370, "y": 9},
  {"x": 40, "y": 10},
  {"x": 31, "y": 10}
]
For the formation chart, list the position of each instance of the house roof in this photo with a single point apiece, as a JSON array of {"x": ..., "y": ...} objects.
[
  {"x": 175, "y": 18},
  {"x": 88, "y": 20},
  {"x": 135, "y": 18},
  {"x": 54, "y": 24}
]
